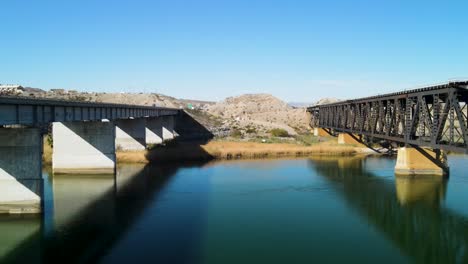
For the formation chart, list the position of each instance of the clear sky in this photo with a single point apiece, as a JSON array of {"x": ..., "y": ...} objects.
[{"x": 298, "y": 50}]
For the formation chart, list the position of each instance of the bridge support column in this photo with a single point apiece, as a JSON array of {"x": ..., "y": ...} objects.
[
  {"x": 83, "y": 148},
  {"x": 168, "y": 128},
  {"x": 421, "y": 161},
  {"x": 130, "y": 134},
  {"x": 345, "y": 138},
  {"x": 154, "y": 130},
  {"x": 320, "y": 132},
  {"x": 21, "y": 183}
]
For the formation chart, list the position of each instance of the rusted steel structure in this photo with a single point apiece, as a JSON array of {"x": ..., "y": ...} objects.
[{"x": 434, "y": 116}]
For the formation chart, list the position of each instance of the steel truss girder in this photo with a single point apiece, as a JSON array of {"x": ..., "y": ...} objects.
[{"x": 433, "y": 117}]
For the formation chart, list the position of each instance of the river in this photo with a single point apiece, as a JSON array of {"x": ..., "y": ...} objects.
[{"x": 315, "y": 210}]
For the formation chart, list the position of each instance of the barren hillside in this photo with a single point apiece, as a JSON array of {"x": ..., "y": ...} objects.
[{"x": 259, "y": 112}]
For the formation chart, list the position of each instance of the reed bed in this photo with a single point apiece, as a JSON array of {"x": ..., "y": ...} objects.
[{"x": 219, "y": 150}]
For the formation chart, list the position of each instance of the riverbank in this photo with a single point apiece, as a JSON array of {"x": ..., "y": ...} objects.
[
  {"x": 224, "y": 150},
  {"x": 220, "y": 150}
]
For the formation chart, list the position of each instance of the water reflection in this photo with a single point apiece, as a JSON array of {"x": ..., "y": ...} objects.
[
  {"x": 90, "y": 214},
  {"x": 426, "y": 190},
  {"x": 410, "y": 215},
  {"x": 322, "y": 209},
  {"x": 15, "y": 230}
]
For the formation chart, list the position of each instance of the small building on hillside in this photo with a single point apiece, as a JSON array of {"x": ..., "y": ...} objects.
[{"x": 11, "y": 89}]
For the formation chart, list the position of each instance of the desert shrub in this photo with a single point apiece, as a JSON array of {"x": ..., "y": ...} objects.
[
  {"x": 50, "y": 140},
  {"x": 279, "y": 132},
  {"x": 236, "y": 133},
  {"x": 251, "y": 130}
]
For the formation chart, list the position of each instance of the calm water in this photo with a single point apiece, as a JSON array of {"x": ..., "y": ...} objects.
[{"x": 320, "y": 210}]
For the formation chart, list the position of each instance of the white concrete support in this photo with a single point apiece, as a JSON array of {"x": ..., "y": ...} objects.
[
  {"x": 83, "y": 148},
  {"x": 168, "y": 128},
  {"x": 130, "y": 134},
  {"x": 21, "y": 184},
  {"x": 421, "y": 161},
  {"x": 154, "y": 130}
]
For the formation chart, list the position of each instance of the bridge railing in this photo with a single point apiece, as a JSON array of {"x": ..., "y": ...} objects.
[{"x": 33, "y": 111}]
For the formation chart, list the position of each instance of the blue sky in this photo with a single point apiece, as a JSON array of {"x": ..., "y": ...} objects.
[{"x": 298, "y": 50}]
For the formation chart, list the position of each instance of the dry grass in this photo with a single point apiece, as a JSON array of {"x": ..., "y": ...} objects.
[
  {"x": 47, "y": 153},
  {"x": 252, "y": 150},
  {"x": 231, "y": 150}
]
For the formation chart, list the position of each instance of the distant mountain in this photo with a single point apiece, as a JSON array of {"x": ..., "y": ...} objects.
[
  {"x": 299, "y": 104},
  {"x": 33, "y": 90},
  {"x": 326, "y": 101}
]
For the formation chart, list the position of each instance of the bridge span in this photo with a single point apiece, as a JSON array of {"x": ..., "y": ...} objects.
[
  {"x": 85, "y": 137},
  {"x": 423, "y": 122}
]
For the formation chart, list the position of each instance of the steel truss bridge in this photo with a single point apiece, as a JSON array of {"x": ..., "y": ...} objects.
[{"x": 434, "y": 116}]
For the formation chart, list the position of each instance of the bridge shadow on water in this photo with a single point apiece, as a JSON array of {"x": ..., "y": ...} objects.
[
  {"x": 191, "y": 134},
  {"x": 410, "y": 213},
  {"x": 90, "y": 230}
]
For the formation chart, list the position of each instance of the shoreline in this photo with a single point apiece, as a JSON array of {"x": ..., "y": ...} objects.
[
  {"x": 228, "y": 150},
  {"x": 225, "y": 150}
]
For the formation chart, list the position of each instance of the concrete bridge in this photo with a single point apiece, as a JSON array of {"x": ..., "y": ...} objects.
[
  {"x": 422, "y": 123},
  {"x": 85, "y": 137}
]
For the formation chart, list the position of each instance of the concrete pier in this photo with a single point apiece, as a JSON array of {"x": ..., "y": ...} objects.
[
  {"x": 345, "y": 138},
  {"x": 422, "y": 161},
  {"x": 154, "y": 130},
  {"x": 168, "y": 128},
  {"x": 320, "y": 132},
  {"x": 21, "y": 184},
  {"x": 83, "y": 147},
  {"x": 130, "y": 134}
]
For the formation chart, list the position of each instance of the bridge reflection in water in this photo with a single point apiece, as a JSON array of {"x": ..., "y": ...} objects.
[
  {"x": 90, "y": 215},
  {"x": 409, "y": 213}
]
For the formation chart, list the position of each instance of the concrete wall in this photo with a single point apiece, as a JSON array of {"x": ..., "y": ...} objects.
[
  {"x": 21, "y": 181},
  {"x": 83, "y": 147},
  {"x": 130, "y": 134},
  {"x": 189, "y": 129}
]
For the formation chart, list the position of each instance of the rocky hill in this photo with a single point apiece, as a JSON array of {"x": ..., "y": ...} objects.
[{"x": 258, "y": 113}]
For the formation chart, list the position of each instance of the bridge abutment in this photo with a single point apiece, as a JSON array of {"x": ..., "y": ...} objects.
[
  {"x": 320, "y": 132},
  {"x": 21, "y": 183},
  {"x": 83, "y": 148},
  {"x": 345, "y": 138},
  {"x": 130, "y": 134},
  {"x": 421, "y": 161}
]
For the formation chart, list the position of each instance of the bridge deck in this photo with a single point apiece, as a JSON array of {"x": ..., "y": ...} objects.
[
  {"x": 34, "y": 111},
  {"x": 433, "y": 116}
]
